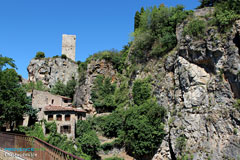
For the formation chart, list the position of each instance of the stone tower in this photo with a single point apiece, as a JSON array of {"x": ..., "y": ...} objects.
[{"x": 69, "y": 45}]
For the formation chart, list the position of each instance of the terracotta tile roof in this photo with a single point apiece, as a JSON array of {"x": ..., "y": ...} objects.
[
  {"x": 64, "y": 97},
  {"x": 60, "y": 108}
]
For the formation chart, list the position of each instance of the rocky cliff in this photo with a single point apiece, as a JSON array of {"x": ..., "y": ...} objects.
[
  {"x": 51, "y": 70},
  {"x": 82, "y": 97},
  {"x": 198, "y": 83}
]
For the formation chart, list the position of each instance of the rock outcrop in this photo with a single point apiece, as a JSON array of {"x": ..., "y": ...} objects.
[
  {"x": 82, "y": 97},
  {"x": 51, "y": 70},
  {"x": 200, "y": 86}
]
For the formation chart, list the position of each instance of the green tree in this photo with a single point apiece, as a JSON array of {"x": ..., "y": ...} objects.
[
  {"x": 141, "y": 91},
  {"x": 63, "y": 56},
  {"x": 64, "y": 90},
  {"x": 13, "y": 100},
  {"x": 58, "y": 89},
  {"x": 111, "y": 125},
  {"x": 103, "y": 94},
  {"x": 40, "y": 55},
  {"x": 136, "y": 20},
  {"x": 143, "y": 129},
  {"x": 4, "y": 61},
  {"x": 89, "y": 143},
  {"x": 35, "y": 85}
]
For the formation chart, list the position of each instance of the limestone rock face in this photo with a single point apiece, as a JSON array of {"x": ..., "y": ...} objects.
[
  {"x": 82, "y": 97},
  {"x": 200, "y": 96},
  {"x": 50, "y": 70}
]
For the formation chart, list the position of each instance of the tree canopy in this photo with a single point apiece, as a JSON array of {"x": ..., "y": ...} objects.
[{"x": 13, "y": 100}]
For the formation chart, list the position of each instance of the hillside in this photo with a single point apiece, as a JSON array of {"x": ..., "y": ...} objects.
[{"x": 172, "y": 92}]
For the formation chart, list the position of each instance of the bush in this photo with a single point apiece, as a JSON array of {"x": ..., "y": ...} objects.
[
  {"x": 89, "y": 143},
  {"x": 103, "y": 94},
  {"x": 195, "y": 28},
  {"x": 141, "y": 91},
  {"x": 57, "y": 56},
  {"x": 141, "y": 46},
  {"x": 156, "y": 31},
  {"x": 111, "y": 125},
  {"x": 143, "y": 129},
  {"x": 237, "y": 105},
  {"x": 181, "y": 143},
  {"x": 64, "y": 90},
  {"x": 35, "y": 85},
  {"x": 82, "y": 127},
  {"x": 40, "y": 55},
  {"x": 63, "y": 56}
]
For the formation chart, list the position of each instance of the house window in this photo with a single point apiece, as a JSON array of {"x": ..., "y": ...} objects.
[
  {"x": 50, "y": 117},
  {"x": 65, "y": 129},
  {"x": 65, "y": 100},
  {"x": 47, "y": 131},
  {"x": 59, "y": 117},
  {"x": 52, "y": 101},
  {"x": 67, "y": 117}
]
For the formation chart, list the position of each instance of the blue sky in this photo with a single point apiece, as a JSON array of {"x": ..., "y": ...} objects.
[{"x": 28, "y": 26}]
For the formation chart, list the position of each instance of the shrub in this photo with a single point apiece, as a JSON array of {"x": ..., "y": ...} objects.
[
  {"x": 181, "y": 143},
  {"x": 111, "y": 125},
  {"x": 57, "y": 56},
  {"x": 195, "y": 28},
  {"x": 156, "y": 31},
  {"x": 40, "y": 55},
  {"x": 237, "y": 105},
  {"x": 89, "y": 143},
  {"x": 82, "y": 127},
  {"x": 141, "y": 46},
  {"x": 35, "y": 85},
  {"x": 64, "y": 90},
  {"x": 141, "y": 91},
  {"x": 225, "y": 18},
  {"x": 103, "y": 94},
  {"x": 143, "y": 129},
  {"x": 235, "y": 131},
  {"x": 63, "y": 56}
]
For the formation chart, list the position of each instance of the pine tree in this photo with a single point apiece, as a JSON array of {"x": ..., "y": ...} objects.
[{"x": 136, "y": 20}]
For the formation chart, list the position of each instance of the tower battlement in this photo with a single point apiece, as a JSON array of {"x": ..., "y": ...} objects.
[{"x": 69, "y": 46}]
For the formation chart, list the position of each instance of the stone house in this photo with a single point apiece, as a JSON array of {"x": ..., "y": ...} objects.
[
  {"x": 59, "y": 109},
  {"x": 65, "y": 118}
]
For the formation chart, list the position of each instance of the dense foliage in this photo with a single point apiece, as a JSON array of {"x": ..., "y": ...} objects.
[
  {"x": 35, "y": 85},
  {"x": 103, "y": 94},
  {"x": 144, "y": 129},
  {"x": 195, "y": 28},
  {"x": 54, "y": 138},
  {"x": 40, "y": 55},
  {"x": 112, "y": 124},
  {"x": 64, "y": 90},
  {"x": 140, "y": 127},
  {"x": 226, "y": 12},
  {"x": 13, "y": 100},
  {"x": 87, "y": 139},
  {"x": 141, "y": 91},
  {"x": 155, "y": 31}
]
